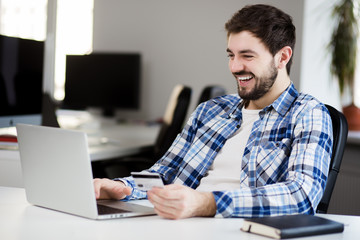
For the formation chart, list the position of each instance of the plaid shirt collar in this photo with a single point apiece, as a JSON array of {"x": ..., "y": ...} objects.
[{"x": 281, "y": 105}]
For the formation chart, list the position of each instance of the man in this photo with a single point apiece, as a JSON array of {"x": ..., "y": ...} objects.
[{"x": 263, "y": 151}]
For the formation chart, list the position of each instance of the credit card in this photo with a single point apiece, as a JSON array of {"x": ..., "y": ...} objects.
[{"x": 145, "y": 181}]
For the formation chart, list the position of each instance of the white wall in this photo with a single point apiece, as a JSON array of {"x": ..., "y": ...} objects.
[
  {"x": 180, "y": 42},
  {"x": 315, "y": 77}
]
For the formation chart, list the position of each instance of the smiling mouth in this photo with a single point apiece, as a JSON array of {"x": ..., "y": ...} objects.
[{"x": 245, "y": 79}]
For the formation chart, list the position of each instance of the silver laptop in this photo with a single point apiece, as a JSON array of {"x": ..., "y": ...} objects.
[{"x": 57, "y": 174}]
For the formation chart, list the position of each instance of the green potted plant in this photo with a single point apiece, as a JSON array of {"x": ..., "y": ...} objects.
[{"x": 343, "y": 49}]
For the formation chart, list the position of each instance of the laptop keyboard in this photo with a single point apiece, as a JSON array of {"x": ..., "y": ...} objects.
[{"x": 102, "y": 209}]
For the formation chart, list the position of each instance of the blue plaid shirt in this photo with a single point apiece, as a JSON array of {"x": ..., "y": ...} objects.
[{"x": 285, "y": 163}]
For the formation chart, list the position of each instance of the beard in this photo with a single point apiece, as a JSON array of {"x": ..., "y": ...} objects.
[{"x": 262, "y": 83}]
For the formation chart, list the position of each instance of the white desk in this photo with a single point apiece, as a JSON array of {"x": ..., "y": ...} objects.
[
  {"x": 20, "y": 220},
  {"x": 107, "y": 139},
  {"x": 110, "y": 141}
]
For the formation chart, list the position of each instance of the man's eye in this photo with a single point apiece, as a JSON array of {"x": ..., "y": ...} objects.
[
  {"x": 230, "y": 55},
  {"x": 248, "y": 56}
]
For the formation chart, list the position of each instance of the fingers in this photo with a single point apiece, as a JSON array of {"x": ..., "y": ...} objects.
[
  {"x": 177, "y": 201},
  {"x": 172, "y": 201},
  {"x": 165, "y": 198},
  {"x": 168, "y": 195},
  {"x": 127, "y": 191},
  {"x": 168, "y": 213},
  {"x": 97, "y": 187},
  {"x": 166, "y": 207},
  {"x": 109, "y": 189}
]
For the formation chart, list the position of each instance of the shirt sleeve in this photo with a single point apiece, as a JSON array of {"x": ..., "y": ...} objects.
[
  {"x": 136, "y": 194},
  {"x": 307, "y": 170},
  {"x": 169, "y": 165}
]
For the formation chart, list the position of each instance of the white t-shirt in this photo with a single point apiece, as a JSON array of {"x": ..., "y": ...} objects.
[{"x": 224, "y": 173}]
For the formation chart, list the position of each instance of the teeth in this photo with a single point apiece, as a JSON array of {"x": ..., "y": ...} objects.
[{"x": 244, "y": 78}]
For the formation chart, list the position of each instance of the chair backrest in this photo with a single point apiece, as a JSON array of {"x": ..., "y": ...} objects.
[
  {"x": 174, "y": 118},
  {"x": 340, "y": 132},
  {"x": 3, "y": 95},
  {"x": 49, "y": 112},
  {"x": 210, "y": 92}
]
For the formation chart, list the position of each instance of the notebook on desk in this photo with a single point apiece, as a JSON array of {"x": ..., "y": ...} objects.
[{"x": 57, "y": 174}]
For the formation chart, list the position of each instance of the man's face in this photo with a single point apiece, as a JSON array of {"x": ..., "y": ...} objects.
[{"x": 252, "y": 65}]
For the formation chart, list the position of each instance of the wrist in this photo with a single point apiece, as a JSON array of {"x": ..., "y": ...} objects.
[
  {"x": 208, "y": 205},
  {"x": 120, "y": 180}
]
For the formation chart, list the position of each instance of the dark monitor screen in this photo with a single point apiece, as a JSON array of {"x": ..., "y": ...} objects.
[
  {"x": 21, "y": 80},
  {"x": 106, "y": 80}
]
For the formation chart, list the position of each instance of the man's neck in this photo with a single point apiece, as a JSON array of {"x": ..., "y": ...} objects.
[{"x": 280, "y": 85}]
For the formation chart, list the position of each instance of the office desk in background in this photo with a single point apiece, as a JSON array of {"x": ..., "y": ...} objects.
[
  {"x": 107, "y": 139},
  {"x": 20, "y": 220}
]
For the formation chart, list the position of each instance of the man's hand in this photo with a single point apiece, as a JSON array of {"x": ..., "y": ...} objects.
[
  {"x": 177, "y": 201},
  {"x": 109, "y": 189}
]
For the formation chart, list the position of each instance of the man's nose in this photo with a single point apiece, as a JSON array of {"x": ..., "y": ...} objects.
[{"x": 236, "y": 66}]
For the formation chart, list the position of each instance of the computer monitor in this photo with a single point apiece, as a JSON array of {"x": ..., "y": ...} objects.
[
  {"x": 108, "y": 81},
  {"x": 21, "y": 81}
]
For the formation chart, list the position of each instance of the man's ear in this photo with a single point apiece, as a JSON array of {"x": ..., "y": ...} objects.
[{"x": 283, "y": 56}]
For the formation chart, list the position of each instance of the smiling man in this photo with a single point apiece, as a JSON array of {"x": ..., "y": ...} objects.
[{"x": 263, "y": 151}]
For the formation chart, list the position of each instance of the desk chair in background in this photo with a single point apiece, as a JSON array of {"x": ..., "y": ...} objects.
[
  {"x": 340, "y": 132},
  {"x": 172, "y": 125},
  {"x": 3, "y": 95},
  {"x": 210, "y": 92},
  {"x": 48, "y": 110}
]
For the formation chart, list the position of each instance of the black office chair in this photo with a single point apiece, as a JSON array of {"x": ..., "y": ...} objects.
[
  {"x": 48, "y": 110},
  {"x": 210, "y": 92},
  {"x": 173, "y": 119},
  {"x": 4, "y": 105},
  {"x": 172, "y": 125},
  {"x": 340, "y": 132}
]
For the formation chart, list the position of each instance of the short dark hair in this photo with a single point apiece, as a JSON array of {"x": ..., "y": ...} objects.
[{"x": 271, "y": 25}]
